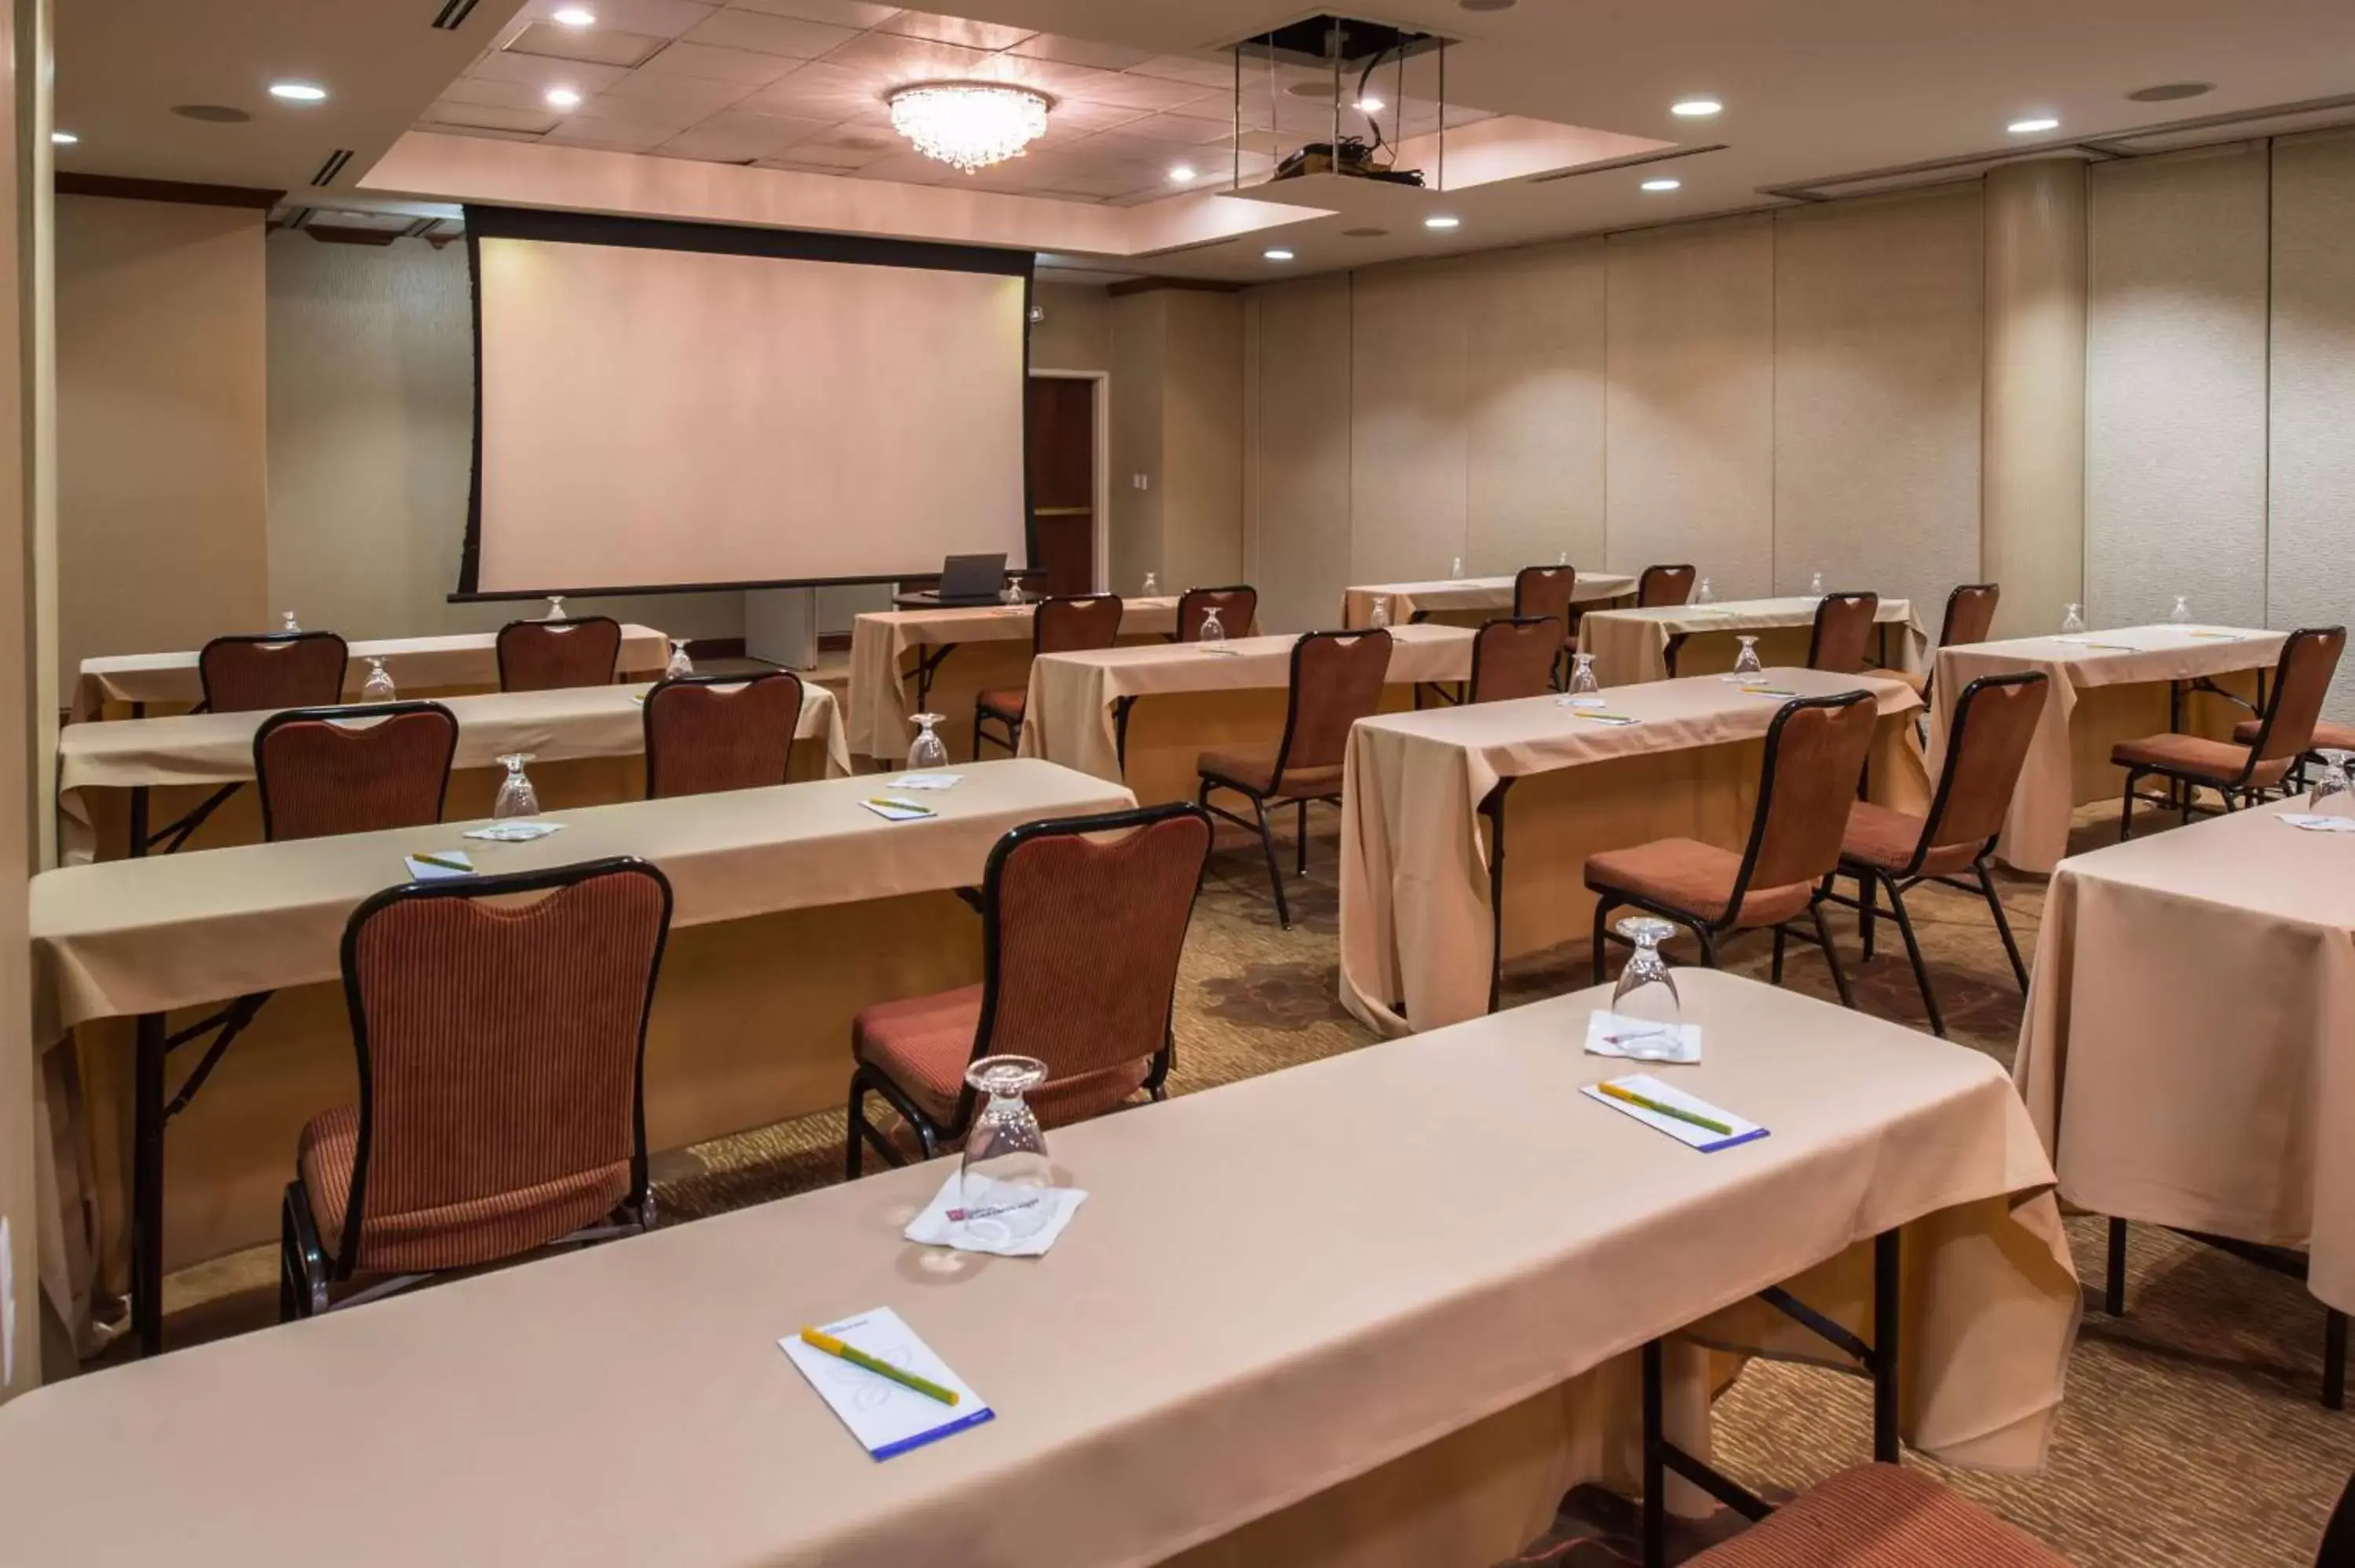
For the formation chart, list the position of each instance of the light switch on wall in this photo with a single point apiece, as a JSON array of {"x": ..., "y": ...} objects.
[{"x": 1140, "y": 482}]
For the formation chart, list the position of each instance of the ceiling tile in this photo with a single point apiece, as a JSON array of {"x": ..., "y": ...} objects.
[
  {"x": 489, "y": 117},
  {"x": 1080, "y": 51},
  {"x": 500, "y": 94},
  {"x": 741, "y": 66},
  {"x": 888, "y": 56},
  {"x": 851, "y": 144},
  {"x": 596, "y": 45},
  {"x": 956, "y": 30},
  {"x": 819, "y": 89},
  {"x": 654, "y": 18},
  {"x": 612, "y": 135},
  {"x": 909, "y": 168},
  {"x": 652, "y": 114},
  {"x": 1070, "y": 196},
  {"x": 540, "y": 71},
  {"x": 833, "y": 160},
  {"x": 1077, "y": 116},
  {"x": 841, "y": 13},
  {"x": 702, "y": 95},
  {"x": 735, "y": 135},
  {"x": 1140, "y": 91},
  {"x": 789, "y": 166},
  {"x": 1178, "y": 130},
  {"x": 770, "y": 35},
  {"x": 1217, "y": 72},
  {"x": 489, "y": 134}
]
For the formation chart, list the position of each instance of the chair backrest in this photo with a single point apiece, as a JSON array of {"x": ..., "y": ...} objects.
[
  {"x": 1843, "y": 631},
  {"x": 356, "y": 770},
  {"x": 1816, "y": 748},
  {"x": 1238, "y": 607},
  {"x": 546, "y": 655},
  {"x": 1337, "y": 680},
  {"x": 2309, "y": 658},
  {"x": 502, "y": 1049},
  {"x": 1079, "y": 623},
  {"x": 283, "y": 670},
  {"x": 1970, "y": 614},
  {"x": 1664, "y": 585},
  {"x": 1515, "y": 658},
  {"x": 708, "y": 732},
  {"x": 1547, "y": 591},
  {"x": 1987, "y": 745},
  {"x": 1083, "y": 921}
]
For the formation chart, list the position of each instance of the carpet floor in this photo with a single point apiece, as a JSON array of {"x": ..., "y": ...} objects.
[{"x": 2191, "y": 1433}]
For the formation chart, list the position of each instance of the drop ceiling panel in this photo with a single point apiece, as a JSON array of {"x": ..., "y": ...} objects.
[
  {"x": 769, "y": 35},
  {"x": 595, "y": 46}
]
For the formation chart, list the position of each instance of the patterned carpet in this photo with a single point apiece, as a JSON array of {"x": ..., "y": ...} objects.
[{"x": 2191, "y": 1432}]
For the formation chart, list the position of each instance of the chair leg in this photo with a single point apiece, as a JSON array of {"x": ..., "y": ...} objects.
[
  {"x": 1867, "y": 907},
  {"x": 1602, "y": 907},
  {"x": 855, "y": 1130},
  {"x": 2125, "y": 807},
  {"x": 1913, "y": 953},
  {"x": 2114, "y": 1283},
  {"x": 1274, "y": 866},
  {"x": 1708, "y": 946},
  {"x": 2334, "y": 1361},
  {"x": 1831, "y": 955},
  {"x": 2003, "y": 927},
  {"x": 1776, "y": 974},
  {"x": 289, "y": 1294},
  {"x": 1300, "y": 836}
]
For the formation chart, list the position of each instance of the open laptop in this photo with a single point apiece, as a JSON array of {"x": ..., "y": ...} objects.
[{"x": 965, "y": 580}]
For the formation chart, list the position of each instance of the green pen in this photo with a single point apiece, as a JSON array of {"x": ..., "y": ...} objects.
[
  {"x": 818, "y": 1339},
  {"x": 1657, "y": 1109},
  {"x": 444, "y": 864}
]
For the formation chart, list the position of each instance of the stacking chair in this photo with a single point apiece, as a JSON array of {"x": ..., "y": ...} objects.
[
  {"x": 1337, "y": 680},
  {"x": 2327, "y": 736},
  {"x": 1843, "y": 630},
  {"x": 1893, "y": 852},
  {"x": 1815, "y": 749},
  {"x": 1238, "y": 608},
  {"x": 1548, "y": 591},
  {"x": 1083, "y": 922},
  {"x": 322, "y": 771},
  {"x": 1513, "y": 657},
  {"x": 1664, "y": 585},
  {"x": 1970, "y": 616},
  {"x": 502, "y": 1107},
  {"x": 1072, "y": 625},
  {"x": 709, "y": 733},
  {"x": 282, "y": 670},
  {"x": 2234, "y": 769},
  {"x": 548, "y": 655},
  {"x": 1879, "y": 1516}
]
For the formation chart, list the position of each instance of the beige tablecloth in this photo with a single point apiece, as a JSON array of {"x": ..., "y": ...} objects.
[
  {"x": 993, "y": 645},
  {"x": 1631, "y": 645},
  {"x": 1467, "y": 600},
  {"x": 2188, "y": 1049},
  {"x": 1289, "y": 1311},
  {"x": 1417, "y": 925},
  {"x": 1069, "y": 713},
  {"x": 2106, "y": 686},
  {"x": 419, "y": 666}
]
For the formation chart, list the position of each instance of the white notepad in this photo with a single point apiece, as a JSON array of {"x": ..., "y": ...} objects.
[
  {"x": 893, "y": 809},
  {"x": 885, "y": 1417},
  {"x": 1707, "y": 1140},
  {"x": 426, "y": 871}
]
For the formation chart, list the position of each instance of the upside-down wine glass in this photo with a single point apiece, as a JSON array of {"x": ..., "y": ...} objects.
[
  {"x": 1455, "y": 568},
  {"x": 2334, "y": 791},
  {"x": 680, "y": 665},
  {"x": 1012, "y": 593},
  {"x": 1213, "y": 629},
  {"x": 1646, "y": 996},
  {"x": 1816, "y": 586},
  {"x": 377, "y": 687},
  {"x": 1152, "y": 584},
  {"x": 2073, "y": 620},
  {"x": 516, "y": 797},
  {"x": 1582, "y": 683},
  {"x": 1746, "y": 666},
  {"x": 290, "y": 628},
  {"x": 1704, "y": 594},
  {"x": 929, "y": 750},
  {"x": 555, "y": 607},
  {"x": 2181, "y": 614},
  {"x": 1382, "y": 613},
  {"x": 1005, "y": 1182}
]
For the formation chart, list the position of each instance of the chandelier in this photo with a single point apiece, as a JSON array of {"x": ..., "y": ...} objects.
[{"x": 971, "y": 125}]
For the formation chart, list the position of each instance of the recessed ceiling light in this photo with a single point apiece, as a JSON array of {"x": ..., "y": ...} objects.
[
  {"x": 212, "y": 113},
  {"x": 298, "y": 92},
  {"x": 1664, "y": 185},
  {"x": 563, "y": 98},
  {"x": 1488, "y": 4},
  {"x": 1277, "y": 255},
  {"x": 1695, "y": 108},
  {"x": 577, "y": 16},
  {"x": 1181, "y": 174},
  {"x": 1369, "y": 105},
  {"x": 2032, "y": 126},
  {"x": 64, "y": 138},
  {"x": 1441, "y": 220},
  {"x": 2168, "y": 91}
]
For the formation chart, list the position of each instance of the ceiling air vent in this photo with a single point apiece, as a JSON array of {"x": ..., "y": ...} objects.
[
  {"x": 332, "y": 167},
  {"x": 453, "y": 14}
]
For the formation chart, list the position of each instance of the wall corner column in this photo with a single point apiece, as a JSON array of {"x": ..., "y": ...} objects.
[{"x": 2032, "y": 500}]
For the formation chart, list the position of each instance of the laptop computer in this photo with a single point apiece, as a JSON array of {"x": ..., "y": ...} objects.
[{"x": 965, "y": 580}]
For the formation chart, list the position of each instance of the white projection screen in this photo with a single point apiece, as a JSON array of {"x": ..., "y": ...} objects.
[{"x": 665, "y": 406}]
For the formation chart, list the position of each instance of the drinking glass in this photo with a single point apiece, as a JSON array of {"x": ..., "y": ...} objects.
[
  {"x": 1012, "y": 593},
  {"x": 1381, "y": 615},
  {"x": 2181, "y": 614},
  {"x": 1213, "y": 629},
  {"x": 680, "y": 664},
  {"x": 377, "y": 687},
  {"x": 1005, "y": 1182},
  {"x": 929, "y": 751},
  {"x": 2073, "y": 620},
  {"x": 516, "y": 797},
  {"x": 1704, "y": 594},
  {"x": 1456, "y": 568},
  {"x": 1746, "y": 666},
  {"x": 1816, "y": 586},
  {"x": 2334, "y": 791},
  {"x": 1647, "y": 994},
  {"x": 1582, "y": 683},
  {"x": 1152, "y": 584},
  {"x": 555, "y": 607},
  {"x": 291, "y": 627}
]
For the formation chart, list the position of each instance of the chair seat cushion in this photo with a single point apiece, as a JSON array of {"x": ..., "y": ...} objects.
[
  {"x": 2194, "y": 757},
  {"x": 451, "y": 1236},
  {"x": 2327, "y": 736},
  {"x": 1879, "y": 837},
  {"x": 1007, "y": 705},
  {"x": 1879, "y": 1516},
  {"x": 923, "y": 1045},
  {"x": 1693, "y": 877},
  {"x": 1253, "y": 768}
]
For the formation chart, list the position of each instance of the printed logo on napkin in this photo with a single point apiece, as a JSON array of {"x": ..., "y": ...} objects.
[{"x": 1641, "y": 1039}]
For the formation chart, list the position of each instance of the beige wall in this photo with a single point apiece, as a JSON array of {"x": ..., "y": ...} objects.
[
  {"x": 1176, "y": 419},
  {"x": 162, "y": 466},
  {"x": 1077, "y": 332}
]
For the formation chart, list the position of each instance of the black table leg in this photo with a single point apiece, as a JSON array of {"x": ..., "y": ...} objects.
[
  {"x": 138, "y": 821},
  {"x": 147, "y": 1187},
  {"x": 1887, "y": 1308}
]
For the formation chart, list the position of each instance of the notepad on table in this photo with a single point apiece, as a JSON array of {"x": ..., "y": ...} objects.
[
  {"x": 897, "y": 809},
  {"x": 1682, "y": 1116},
  {"x": 928, "y": 782},
  {"x": 436, "y": 866},
  {"x": 886, "y": 1418},
  {"x": 1221, "y": 649},
  {"x": 1603, "y": 717}
]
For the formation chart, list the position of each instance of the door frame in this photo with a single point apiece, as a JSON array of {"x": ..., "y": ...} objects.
[{"x": 1099, "y": 416}]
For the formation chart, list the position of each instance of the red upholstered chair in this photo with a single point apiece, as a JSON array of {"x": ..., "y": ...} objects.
[
  {"x": 1514, "y": 659},
  {"x": 1879, "y": 1516},
  {"x": 1548, "y": 591},
  {"x": 1238, "y": 608},
  {"x": 2237, "y": 769},
  {"x": 1074, "y": 624},
  {"x": 1970, "y": 616},
  {"x": 1815, "y": 749},
  {"x": 1843, "y": 631},
  {"x": 1083, "y": 922},
  {"x": 548, "y": 655},
  {"x": 285, "y": 670},
  {"x": 1894, "y": 852},
  {"x": 1664, "y": 585},
  {"x": 2327, "y": 736},
  {"x": 359, "y": 769},
  {"x": 1337, "y": 680},
  {"x": 501, "y": 1047},
  {"x": 708, "y": 732}
]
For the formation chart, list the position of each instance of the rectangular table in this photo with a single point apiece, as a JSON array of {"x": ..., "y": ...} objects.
[
  {"x": 1082, "y": 707},
  {"x": 107, "y": 772},
  {"x": 2106, "y": 686},
  {"x": 1378, "y": 1309},
  {"x": 1466, "y": 602},
  {"x": 1667, "y": 641},
  {"x": 821, "y": 908},
  {"x": 1418, "y": 897},
  {"x": 897, "y": 658},
  {"x": 419, "y": 666},
  {"x": 2189, "y": 1051}
]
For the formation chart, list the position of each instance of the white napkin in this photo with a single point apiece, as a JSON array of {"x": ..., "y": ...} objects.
[
  {"x": 1609, "y": 1035},
  {"x": 935, "y": 1227},
  {"x": 2315, "y": 825},
  {"x": 513, "y": 831},
  {"x": 1594, "y": 702},
  {"x": 927, "y": 781}
]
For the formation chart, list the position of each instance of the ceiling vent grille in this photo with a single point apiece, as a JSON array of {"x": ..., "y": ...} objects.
[
  {"x": 455, "y": 14},
  {"x": 332, "y": 167}
]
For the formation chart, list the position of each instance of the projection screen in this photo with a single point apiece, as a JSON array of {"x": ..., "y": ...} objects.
[{"x": 665, "y": 406}]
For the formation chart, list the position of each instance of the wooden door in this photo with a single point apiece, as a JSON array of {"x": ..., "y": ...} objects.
[{"x": 1062, "y": 466}]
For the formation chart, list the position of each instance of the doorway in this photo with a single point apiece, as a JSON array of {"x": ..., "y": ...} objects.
[{"x": 1064, "y": 462}]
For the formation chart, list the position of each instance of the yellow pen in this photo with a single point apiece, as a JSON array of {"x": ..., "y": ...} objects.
[
  {"x": 1660, "y": 1108},
  {"x": 858, "y": 1358}
]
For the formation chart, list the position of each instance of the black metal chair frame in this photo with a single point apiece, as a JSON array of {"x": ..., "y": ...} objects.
[
  {"x": 1707, "y": 933},
  {"x": 345, "y": 714},
  {"x": 1283, "y": 755},
  {"x": 1011, "y": 726},
  {"x": 2286, "y": 1261},
  {"x": 750, "y": 678},
  {"x": 1870, "y": 880},
  {"x": 499, "y": 643},
  {"x": 1645, "y": 576},
  {"x": 305, "y": 1272},
  {"x": 2182, "y": 789},
  {"x": 929, "y": 1134},
  {"x": 1179, "y": 635}
]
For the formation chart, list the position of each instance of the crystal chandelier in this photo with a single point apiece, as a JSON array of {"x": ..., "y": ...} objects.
[{"x": 971, "y": 125}]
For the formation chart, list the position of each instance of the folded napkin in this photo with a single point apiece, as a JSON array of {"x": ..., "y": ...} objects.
[
  {"x": 1609, "y": 1035},
  {"x": 945, "y": 1223}
]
